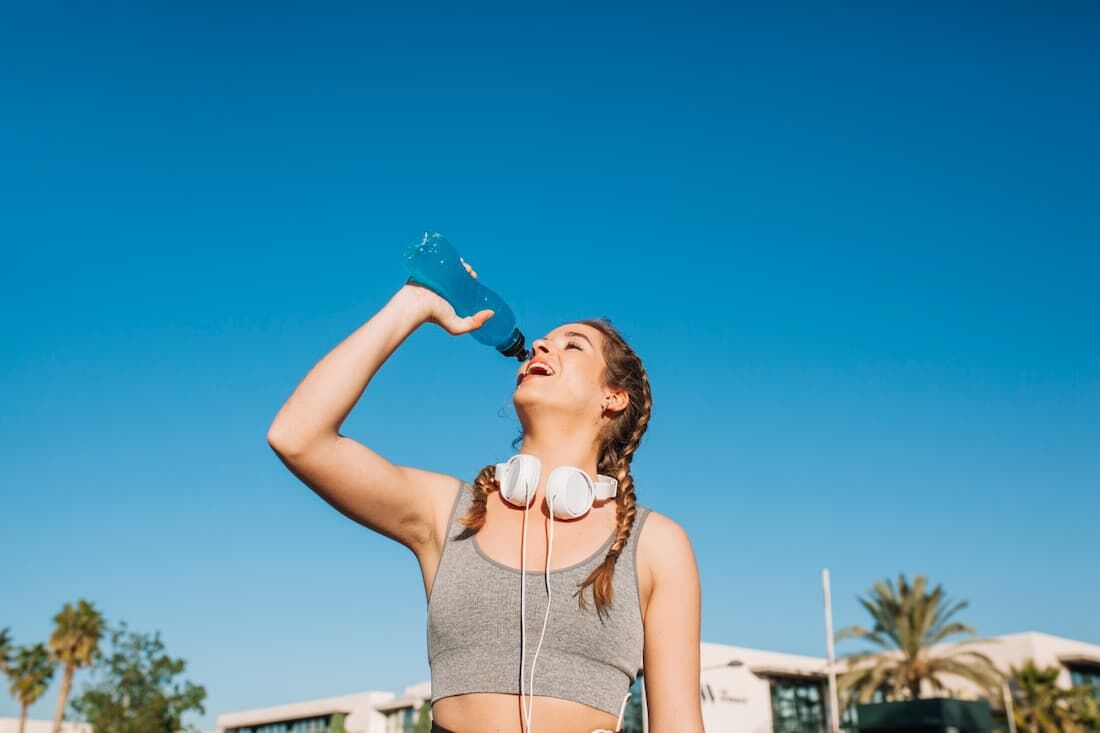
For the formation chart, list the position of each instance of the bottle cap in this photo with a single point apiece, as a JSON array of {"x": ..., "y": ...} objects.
[{"x": 515, "y": 347}]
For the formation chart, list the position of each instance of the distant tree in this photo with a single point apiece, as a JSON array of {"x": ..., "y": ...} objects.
[
  {"x": 135, "y": 690},
  {"x": 75, "y": 644},
  {"x": 424, "y": 718},
  {"x": 6, "y": 649},
  {"x": 1042, "y": 706},
  {"x": 909, "y": 620},
  {"x": 30, "y": 670}
]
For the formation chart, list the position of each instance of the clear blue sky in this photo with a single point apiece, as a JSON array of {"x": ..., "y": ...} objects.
[{"x": 856, "y": 246}]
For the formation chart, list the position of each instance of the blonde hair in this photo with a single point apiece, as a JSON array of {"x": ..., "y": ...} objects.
[{"x": 618, "y": 443}]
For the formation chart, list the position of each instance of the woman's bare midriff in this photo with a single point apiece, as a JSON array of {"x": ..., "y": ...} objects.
[{"x": 494, "y": 712}]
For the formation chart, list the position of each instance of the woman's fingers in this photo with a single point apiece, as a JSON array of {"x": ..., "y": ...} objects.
[
  {"x": 469, "y": 269},
  {"x": 476, "y": 321},
  {"x": 457, "y": 325}
]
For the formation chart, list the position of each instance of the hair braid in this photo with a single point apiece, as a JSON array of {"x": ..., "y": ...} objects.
[
  {"x": 626, "y": 502},
  {"x": 474, "y": 518}
]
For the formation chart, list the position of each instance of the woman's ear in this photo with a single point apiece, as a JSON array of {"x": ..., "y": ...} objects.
[{"x": 616, "y": 401}]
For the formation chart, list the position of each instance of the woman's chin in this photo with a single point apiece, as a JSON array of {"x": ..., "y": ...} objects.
[{"x": 527, "y": 398}]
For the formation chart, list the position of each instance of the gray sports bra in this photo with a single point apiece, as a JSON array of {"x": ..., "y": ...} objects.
[{"x": 474, "y": 624}]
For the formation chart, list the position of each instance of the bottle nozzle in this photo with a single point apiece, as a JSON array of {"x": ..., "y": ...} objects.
[{"x": 516, "y": 347}]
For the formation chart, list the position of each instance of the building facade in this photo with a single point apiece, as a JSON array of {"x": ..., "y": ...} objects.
[
  {"x": 364, "y": 712},
  {"x": 11, "y": 725},
  {"x": 743, "y": 690}
]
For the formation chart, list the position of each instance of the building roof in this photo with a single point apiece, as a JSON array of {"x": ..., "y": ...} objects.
[
  {"x": 306, "y": 709},
  {"x": 405, "y": 701}
]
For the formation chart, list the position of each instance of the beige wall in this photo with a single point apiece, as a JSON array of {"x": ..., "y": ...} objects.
[{"x": 1015, "y": 649}]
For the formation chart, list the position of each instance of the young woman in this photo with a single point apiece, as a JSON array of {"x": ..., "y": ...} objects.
[{"x": 623, "y": 579}]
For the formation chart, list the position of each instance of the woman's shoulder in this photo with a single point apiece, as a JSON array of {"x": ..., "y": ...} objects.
[
  {"x": 664, "y": 545},
  {"x": 662, "y": 524},
  {"x": 665, "y": 559}
]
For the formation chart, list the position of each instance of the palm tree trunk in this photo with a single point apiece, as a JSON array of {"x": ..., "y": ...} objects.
[
  {"x": 62, "y": 698},
  {"x": 23, "y": 717}
]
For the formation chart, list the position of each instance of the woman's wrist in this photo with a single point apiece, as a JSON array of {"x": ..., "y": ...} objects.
[{"x": 410, "y": 300}]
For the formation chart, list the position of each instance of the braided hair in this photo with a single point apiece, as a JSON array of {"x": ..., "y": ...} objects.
[{"x": 618, "y": 443}]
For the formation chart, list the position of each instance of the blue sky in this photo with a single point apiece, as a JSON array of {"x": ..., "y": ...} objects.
[{"x": 856, "y": 247}]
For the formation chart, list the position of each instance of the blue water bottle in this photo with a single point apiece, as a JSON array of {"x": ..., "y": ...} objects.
[{"x": 434, "y": 264}]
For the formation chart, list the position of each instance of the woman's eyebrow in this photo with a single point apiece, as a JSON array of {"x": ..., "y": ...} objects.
[
  {"x": 574, "y": 333},
  {"x": 578, "y": 333}
]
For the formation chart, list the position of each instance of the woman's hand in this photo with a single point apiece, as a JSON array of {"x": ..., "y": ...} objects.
[{"x": 435, "y": 308}]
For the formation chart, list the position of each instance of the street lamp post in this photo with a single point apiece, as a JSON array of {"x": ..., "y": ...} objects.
[{"x": 834, "y": 712}]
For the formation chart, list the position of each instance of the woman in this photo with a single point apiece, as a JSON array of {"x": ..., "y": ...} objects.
[{"x": 584, "y": 407}]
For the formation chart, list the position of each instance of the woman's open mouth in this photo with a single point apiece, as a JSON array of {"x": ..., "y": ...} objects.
[{"x": 537, "y": 369}]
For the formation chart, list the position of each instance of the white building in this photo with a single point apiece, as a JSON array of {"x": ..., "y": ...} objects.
[
  {"x": 741, "y": 688},
  {"x": 764, "y": 692},
  {"x": 363, "y": 712},
  {"x": 744, "y": 690},
  {"x": 11, "y": 725},
  {"x": 1078, "y": 661}
]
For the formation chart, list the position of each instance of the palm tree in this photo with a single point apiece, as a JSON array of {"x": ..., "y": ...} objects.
[
  {"x": 1042, "y": 706},
  {"x": 909, "y": 620},
  {"x": 74, "y": 643},
  {"x": 30, "y": 673}
]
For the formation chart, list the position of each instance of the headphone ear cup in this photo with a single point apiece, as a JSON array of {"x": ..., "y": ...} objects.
[
  {"x": 518, "y": 479},
  {"x": 569, "y": 492}
]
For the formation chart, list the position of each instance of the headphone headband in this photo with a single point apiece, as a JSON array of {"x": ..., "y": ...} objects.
[{"x": 606, "y": 487}]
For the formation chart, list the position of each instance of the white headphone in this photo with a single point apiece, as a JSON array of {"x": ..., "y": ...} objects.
[
  {"x": 569, "y": 490},
  {"x": 570, "y": 493}
]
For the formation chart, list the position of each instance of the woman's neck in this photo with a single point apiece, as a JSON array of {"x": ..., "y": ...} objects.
[{"x": 560, "y": 453}]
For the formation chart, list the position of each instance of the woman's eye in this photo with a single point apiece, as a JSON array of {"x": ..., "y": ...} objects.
[{"x": 573, "y": 344}]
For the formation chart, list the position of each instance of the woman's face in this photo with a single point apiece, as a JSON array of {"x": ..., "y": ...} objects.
[{"x": 565, "y": 371}]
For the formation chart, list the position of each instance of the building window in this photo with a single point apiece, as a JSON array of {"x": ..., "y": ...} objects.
[
  {"x": 1080, "y": 675},
  {"x": 317, "y": 724},
  {"x": 798, "y": 706}
]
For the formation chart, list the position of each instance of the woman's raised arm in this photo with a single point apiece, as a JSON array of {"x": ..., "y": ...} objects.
[{"x": 397, "y": 501}]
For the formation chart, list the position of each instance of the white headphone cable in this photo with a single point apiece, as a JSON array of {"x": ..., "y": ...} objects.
[
  {"x": 549, "y": 551},
  {"x": 523, "y": 616}
]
